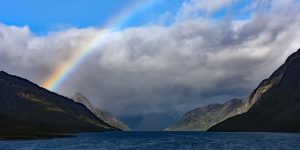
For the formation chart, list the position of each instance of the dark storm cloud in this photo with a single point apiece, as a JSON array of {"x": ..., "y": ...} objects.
[{"x": 146, "y": 69}]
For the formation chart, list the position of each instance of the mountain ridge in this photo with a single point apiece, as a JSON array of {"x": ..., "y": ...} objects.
[
  {"x": 103, "y": 115},
  {"x": 202, "y": 118},
  {"x": 42, "y": 113},
  {"x": 276, "y": 108}
]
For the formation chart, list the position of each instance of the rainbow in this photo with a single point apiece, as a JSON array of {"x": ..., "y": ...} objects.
[{"x": 61, "y": 72}]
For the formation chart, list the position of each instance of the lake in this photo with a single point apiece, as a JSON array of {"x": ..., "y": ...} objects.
[{"x": 162, "y": 140}]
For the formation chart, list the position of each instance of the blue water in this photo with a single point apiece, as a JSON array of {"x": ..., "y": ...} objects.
[{"x": 162, "y": 140}]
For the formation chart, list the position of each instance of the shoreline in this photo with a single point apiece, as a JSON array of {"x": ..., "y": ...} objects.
[{"x": 34, "y": 137}]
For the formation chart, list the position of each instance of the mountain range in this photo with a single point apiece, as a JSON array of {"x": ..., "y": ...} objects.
[
  {"x": 103, "y": 115},
  {"x": 274, "y": 106},
  {"x": 202, "y": 118},
  {"x": 29, "y": 111},
  {"x": 275, "y": 103}
]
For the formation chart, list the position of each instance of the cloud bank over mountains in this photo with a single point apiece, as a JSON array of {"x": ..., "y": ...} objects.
[{"x": 196, "y": 60}]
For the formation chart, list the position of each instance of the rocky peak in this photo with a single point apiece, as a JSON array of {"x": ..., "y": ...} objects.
[
  {"x": 201, "y": 119},
  {"x": 103, "y": 115},
  {"x": 79, "y": 98}
]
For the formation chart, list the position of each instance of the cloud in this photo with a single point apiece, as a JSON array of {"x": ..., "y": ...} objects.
[
  {"x": 192, "y": 8},
  {"x": 155, "y": 68}
]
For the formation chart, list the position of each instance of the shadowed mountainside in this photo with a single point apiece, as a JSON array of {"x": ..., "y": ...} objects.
[
  {"x": 29, "y": 111},
  {"x": 275, "y": 104}
]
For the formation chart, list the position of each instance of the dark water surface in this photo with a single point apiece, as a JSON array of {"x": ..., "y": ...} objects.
[{"x": 162, "y": 140}]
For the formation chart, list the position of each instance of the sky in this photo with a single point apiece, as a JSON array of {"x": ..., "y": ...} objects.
[
  {"x": 44, "y": 16},
  {"x": 153, "y": 56}
]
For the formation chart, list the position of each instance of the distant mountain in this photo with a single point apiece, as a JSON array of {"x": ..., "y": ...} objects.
[
  {"x": 201, "y": 119},
  {"x": 274, "y": 105},
  {"x": 150, "y": 121},
  {"x": 103, "y": 115},
  {"x": 29, "y": 111}
]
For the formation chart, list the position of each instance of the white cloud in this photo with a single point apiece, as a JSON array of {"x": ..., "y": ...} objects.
[{"x": 192, "y": 8}]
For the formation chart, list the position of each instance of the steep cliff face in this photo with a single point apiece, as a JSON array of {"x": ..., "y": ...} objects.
[
  {"x": 274, "y": 106},
  {"x": 105, "y": 116},
  {"x": 203, "y": 118},
  {"x": 270, "y": 92},
  {"x": 30, "y": 111}
]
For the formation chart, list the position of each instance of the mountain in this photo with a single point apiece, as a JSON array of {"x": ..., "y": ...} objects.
[
  {"x": 201, "y": 119},
  {"x": 29, "y": 111},
  {"x": 103, "y": 115},
  {"x": 150, "y": 121},
  {"x": 275, "y": 103}
]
